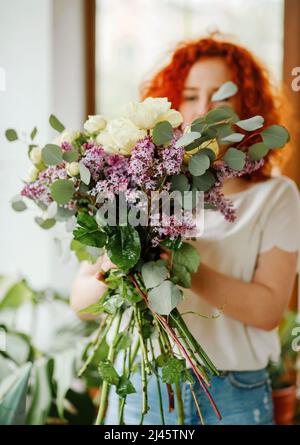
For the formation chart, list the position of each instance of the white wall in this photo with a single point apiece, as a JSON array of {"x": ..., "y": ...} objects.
[{"x": 41, "y": 51}]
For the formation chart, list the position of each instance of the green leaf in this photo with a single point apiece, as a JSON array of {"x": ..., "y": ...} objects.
[
  {"x": 209, "y": 152},
  {"x": 56, "y": 124},
  {"x": 62, "y": 190},
  {"x": 251, "y": 124},
  {"x": 153, "y": 274},
  {"x": 85, "y": 174},
  {"x": 17, "y": 295},
  {"x": 125, "y": 387},
  {"x": 181, "y": 276},
  {"x": 17, "y": 347},
  {"x": 64, "y": 373},
  {"x": 220, "y": 114},
  {"x": 52, "y": 154},
  {"x": 198, "y": 164},
  {"x": 41, "y": 392},
  {"x": 88, "y": 232},
  {"x": 198, "y": 124},
  {"x": 275, "y": 136},
  {"x": 188, "y": 256},
  {"x": 13, "y": 403},
  {"x": 45, "y": 223},
  {"x": 234, "y": 158},
  {"x": 228, "y": 89},
  {"x": 172, "y": 370},
  {"x": 205, "y": 181},
  {"x": 124, "y": 247},
  {"x": 258, "y": 151},
  {"x": 108, "y": 373},
  {"x": 165, "y": 297},
  {"x": 123, "y": 341},
  {"x": 162, "y": 133},
  {"x": 233, "y": 137},
  {"x": 11, "y": 135},
  {"x": 84, "y": 252},
  {"x": 70, "y": 156},
  {"x": 18, "y": 204},
  {"x": 187, "y": 138},
  {"x": 180, "y": 183},
  {"x": 33, "y": 133}
]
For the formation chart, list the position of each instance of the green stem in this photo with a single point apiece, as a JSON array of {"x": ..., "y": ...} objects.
[
  {"x": 97, "y": 342},
  {"x": 161, "y": 408},
  {"x": 180, "y": 411},
  {"x": 105, "y": 385}
]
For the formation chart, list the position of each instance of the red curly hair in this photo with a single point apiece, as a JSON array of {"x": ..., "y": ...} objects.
[{"x": 256, "y": 95}]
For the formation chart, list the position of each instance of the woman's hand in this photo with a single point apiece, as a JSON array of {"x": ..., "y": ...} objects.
[{"x": 106, "y": 265}]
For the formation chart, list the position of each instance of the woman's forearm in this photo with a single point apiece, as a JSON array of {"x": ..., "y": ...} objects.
[{"x": 251, "y": 303}]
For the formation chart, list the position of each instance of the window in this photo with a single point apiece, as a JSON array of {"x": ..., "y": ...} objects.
[{"x": 135, "y": 37}]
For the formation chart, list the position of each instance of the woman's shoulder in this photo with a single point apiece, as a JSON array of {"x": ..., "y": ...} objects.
[{"x": 281, "y": 186}]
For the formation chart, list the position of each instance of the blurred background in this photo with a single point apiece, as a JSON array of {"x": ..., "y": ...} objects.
[{"x": 73, "y": 58}]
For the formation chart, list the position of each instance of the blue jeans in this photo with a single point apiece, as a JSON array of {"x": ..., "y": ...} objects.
[{"x": 242, "y": 397}]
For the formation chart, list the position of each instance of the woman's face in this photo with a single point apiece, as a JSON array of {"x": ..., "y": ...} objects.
[{"x": 204, "y": 78}]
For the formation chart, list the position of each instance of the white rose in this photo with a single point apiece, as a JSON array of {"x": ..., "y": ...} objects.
[
  {"x": 32, "y": 174},
  {"x": 152, "y": 110},
  {"x": 173, "y": 116},
  {"x": 120, "y": 136},
  {"x": 72, "y": 168},
  {"x": 66, "y": 136},
  {"x": 94, "y": 124},
  {"x": 36, "y": 155}
]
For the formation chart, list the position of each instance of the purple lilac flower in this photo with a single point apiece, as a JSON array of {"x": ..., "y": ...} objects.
[
  {"x": 66, "y": 146},
  {"x": 169, "y": 226},
  {"x": 39, "y": 189},
  {"x": 94, "y": 160},
  {"x": 215, "y": 195}
]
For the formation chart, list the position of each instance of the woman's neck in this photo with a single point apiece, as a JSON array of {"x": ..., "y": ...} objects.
[{"x": 235, "y": 185}]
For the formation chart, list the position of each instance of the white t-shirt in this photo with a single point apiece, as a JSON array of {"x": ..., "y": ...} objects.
[{"x": 268, "y": 215}]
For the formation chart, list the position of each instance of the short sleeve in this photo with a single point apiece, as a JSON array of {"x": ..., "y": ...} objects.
[{"x": 280, "y": 223}]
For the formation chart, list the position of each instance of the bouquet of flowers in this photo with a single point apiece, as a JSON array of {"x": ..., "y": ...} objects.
[{"x": 134, "y": 187}]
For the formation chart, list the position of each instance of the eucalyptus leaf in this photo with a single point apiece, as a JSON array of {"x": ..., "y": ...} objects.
[
  {"x": 205, "y": 181},
  {"x": 234, "y": 137},
  {"x": 162, "y": 133},
  {"x": 45, "y": 223},
  {"x": 33, "y": 133},
  {"x": 275, "y": 136},
  {"x": 165, "y": 297},
  {"x": 180, "y": 183},
  {"x": 153, "y": 274},
  {"x": 70, "y": 156},
  {"x": 18, "y": 204},
  {"x": 52, "y": 154},
  {"x": 85, "y": 174},
  {"x": 198, "y": 164},
  {"x": 258, "y": 151},
  {"x": 234, "y": 158},
  {"x": 187, "y": 138},
  {"x": 228, "y": 89},
  {"x": 62, "y": 190},
  {"x": 220, "y": 114},
  {"x": 56, "y": 124},
  {"x": 11, "y": 135},
  {"x": 251, "y": 124}
]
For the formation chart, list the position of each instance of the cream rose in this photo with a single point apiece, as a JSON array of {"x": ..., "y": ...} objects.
[
  {"x": 95, "y": 123},
  {"x": 147, "y": 114},
  {"x": 32, "y": 174},
  {"x": 36, "y": 155},
  {"x": 66, "y": 136},
  {"x": 120, "y": 136}
]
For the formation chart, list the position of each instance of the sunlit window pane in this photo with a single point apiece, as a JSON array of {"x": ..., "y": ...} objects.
[{"x": 135, "y": 37}]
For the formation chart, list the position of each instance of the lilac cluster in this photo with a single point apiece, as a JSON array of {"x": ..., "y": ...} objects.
[
  {"x": 39, "y": 189},
  {"x": 94, "y": 159},
  {"x": 148, "y": 165},
  {"x": 170, "y": 226},
  {"x": 66, "y": 146},
  {"x": 216, "y": 197},
  {"x": 115, "y": 172}
]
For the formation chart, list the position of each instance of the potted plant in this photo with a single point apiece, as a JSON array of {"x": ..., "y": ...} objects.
[{"x": 283, "y": 373}]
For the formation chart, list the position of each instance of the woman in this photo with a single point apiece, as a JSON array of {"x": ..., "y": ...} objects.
[{"x": 248, "y": 267}]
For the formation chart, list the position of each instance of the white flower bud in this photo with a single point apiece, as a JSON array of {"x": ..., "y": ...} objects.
[
  {"x": 36, "y": 155},
  {"x": 94, "y": 124},
  {"x": 32, "y": 174},
  {"x": 72, "y": 168}
]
